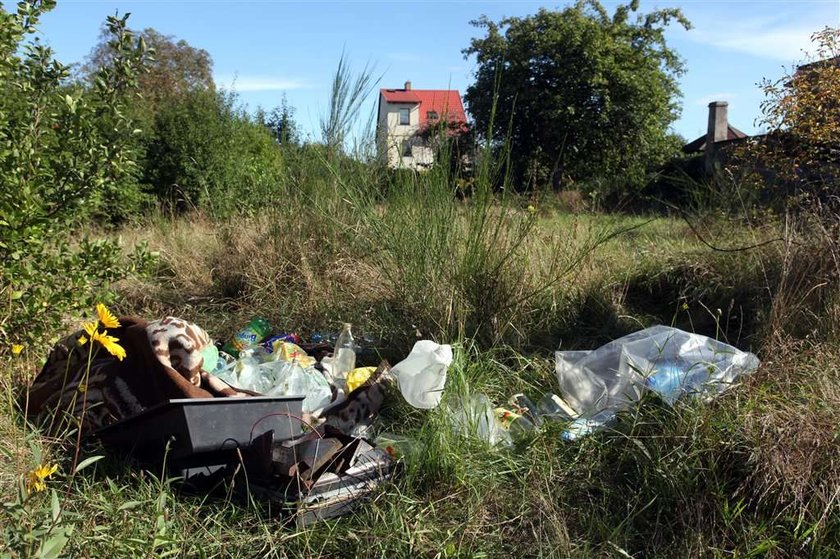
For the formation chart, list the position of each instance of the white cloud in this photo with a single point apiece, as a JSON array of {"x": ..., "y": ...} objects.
[
  {"x": 785, "y": 37},
  {"x": 261, "y": 83}
]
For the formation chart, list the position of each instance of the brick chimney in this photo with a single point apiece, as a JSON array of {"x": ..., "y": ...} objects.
[
  {"x": 718, "y": 122},
  {"x": 408, "y": 86},
  {"x": 718, "y": 131}
]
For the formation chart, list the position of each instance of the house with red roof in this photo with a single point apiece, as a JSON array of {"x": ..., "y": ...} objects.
[{"x": 407, "y": 119}]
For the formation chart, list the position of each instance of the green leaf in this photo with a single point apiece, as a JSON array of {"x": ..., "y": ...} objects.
[
  {"x": 128, "y": 505},
  {"x": 87, "y": 462},
  {"x": 56, "y": 506},
  {"x": 52, "y": 548}
]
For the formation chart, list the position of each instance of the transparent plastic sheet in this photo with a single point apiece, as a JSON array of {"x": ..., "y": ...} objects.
[
  {"x": 663, "y": 359},
  {"x": 474, "y": 416}
]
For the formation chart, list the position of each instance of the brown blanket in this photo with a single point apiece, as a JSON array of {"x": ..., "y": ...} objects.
[{"x": 94, "y": 389}]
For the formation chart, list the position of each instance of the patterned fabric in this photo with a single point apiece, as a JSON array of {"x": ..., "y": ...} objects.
[
  {"x": 363, "y": 404},
  {"x": 178, "y": 344},
  {"x": 67, "y": 392}
]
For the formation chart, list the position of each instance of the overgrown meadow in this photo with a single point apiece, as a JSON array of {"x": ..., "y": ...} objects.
[{"x": 505, "y": 278}]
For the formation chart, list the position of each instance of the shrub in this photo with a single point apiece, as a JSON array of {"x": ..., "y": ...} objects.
[
  {"x": 205, "y": 152},
  {"x": 63, "y": 153},
  {"x": 797, "y": 161}
]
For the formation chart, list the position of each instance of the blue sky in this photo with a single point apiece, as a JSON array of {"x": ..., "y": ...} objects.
[{"x": 268, "y": 48}]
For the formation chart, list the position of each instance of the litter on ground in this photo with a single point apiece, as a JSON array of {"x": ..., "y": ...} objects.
[{"x": 299, "y": 416}]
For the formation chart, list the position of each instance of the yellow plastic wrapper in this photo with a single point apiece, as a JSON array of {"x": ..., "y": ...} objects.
[
  {"x": 287, "y": 351},
  {"x": 358, "y": 376}
]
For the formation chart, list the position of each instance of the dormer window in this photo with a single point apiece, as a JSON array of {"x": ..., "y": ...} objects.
[
  {"x": 431, "y": 115},
  {"x": 405, "y": 116}
]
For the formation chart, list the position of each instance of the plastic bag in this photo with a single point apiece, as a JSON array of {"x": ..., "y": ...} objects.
[
  {"x": 474, "y": 416},
  {"x": 290, "y": 379},
  {"x": 422, "y": 375},
  {"x": 358, "y": 377},
  {"x": 244, "y": 373},
  {"x": 666, "y": 360}
]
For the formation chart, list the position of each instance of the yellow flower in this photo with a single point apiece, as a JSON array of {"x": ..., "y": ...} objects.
[
  {"x": 36, "y": 479},
  {"x": 531, "y": 209},
  {"x": 90, "y": 328},
  {"x": 106, "y": 317},
  {"x": 16, "y": 349},
  {"x": 110, "y": 344}
]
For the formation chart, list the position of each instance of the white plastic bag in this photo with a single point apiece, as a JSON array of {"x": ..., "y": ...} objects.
[
  {"x": 422, "y": 375},
  {"x": 664, "y": 359}
]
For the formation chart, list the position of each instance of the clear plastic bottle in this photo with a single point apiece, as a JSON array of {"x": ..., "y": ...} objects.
[
  {"x": 523, "y": 405},
  {"x": 344, "y": 356},
  {"x": 518, "y": 425}
]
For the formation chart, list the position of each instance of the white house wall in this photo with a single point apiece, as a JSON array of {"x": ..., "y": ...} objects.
[{"x": 393, "y": 134}]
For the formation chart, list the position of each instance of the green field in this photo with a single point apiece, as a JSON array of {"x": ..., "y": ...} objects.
[{"x": 753, "y": 473}]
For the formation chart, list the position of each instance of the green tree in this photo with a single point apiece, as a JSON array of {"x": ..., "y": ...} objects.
[
  {"x": 578, "y": 95},
  {"x": 177, "y": 67},
  {"x": 800, "y": 154},
  {"x": 205, "y": 152},
  {"x": 173, "y": 70},
  {"x": 281, "y": 122},
  {"x": 63, "y": 148}
]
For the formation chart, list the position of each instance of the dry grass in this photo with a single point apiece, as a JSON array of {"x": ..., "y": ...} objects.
[{"x": 755, "y": 473}]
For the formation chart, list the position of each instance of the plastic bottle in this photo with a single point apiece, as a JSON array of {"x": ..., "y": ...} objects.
[
  {"x": 473, "y": 416},
  {"x": 252, "y": 334},
  {"x": 523, "y": 405},
  {"x": 398, "y": 446},
  {"x": 513, "y": 422},
  {"x": 244, "y": 373},
  {"x": 344, "y": 356},
  {"x": 668, "y": 380}
]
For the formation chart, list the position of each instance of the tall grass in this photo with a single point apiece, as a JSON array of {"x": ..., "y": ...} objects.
[{"x": 754, "y": 473}]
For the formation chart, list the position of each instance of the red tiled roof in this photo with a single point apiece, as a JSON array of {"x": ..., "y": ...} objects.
[
  {"x": 399, "y": 96},
  {"x": 445, "y": 102}
]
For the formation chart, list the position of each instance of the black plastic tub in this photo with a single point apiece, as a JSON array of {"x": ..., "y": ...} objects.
[{"x": 197, "y": 431}]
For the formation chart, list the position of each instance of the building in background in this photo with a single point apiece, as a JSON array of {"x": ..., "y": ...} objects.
[
  {"x": 409, "y": 118},
  {"x": 719, "y": 134}
]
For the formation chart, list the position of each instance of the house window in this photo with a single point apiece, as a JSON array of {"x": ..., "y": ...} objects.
[
  {"x": 406, "y": 148},
  {"x": 431, "y": 115},
  {"x": 404, "y": 116}
]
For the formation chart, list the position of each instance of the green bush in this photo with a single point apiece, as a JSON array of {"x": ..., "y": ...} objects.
[
  {"x": 204, "y": 152},
  {"x": 64, "y": 153}
]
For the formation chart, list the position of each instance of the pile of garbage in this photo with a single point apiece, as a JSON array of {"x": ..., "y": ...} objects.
[
  {"x": 299, "y": 414},
  {"x": 596, "y": 385},
  {"x": 276, "y": 365}
]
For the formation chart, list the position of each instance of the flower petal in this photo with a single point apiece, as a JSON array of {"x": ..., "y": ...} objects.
[
  {"x": 111, "y": 345},
  {"x": 106, "y": 317},
  {"x": 90, "y": 328}
]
